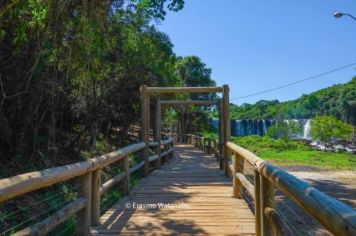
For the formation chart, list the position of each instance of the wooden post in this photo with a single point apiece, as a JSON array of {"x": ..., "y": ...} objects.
[
  {"x": 95, "y": 198},
  {"x": 221, "y": 135},
  {"x": 267, "y": 199},
  {"x": 145, "y": 110},
  {"x": 125, "y": 167},
  {"x": 84, "y": 216},
  {"x": 235, "y": 183},
  {"x": 226, "y": 126},
  {"x": 258, "y": 211},
  {"x": 158, "y": 125}
]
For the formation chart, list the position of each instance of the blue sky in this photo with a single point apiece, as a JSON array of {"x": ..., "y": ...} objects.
[{"x": 253, "y": 45}]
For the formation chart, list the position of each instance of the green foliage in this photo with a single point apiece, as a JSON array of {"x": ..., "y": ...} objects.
[
  {"x": 192, "y": 72},
  {"x": 256, "y": 143},
  {"x": 296, "y": 154},
  {"x": 284, "y": 130},
  {"x": 337, "y": 101},
  {"x": 325, "y": 128}
]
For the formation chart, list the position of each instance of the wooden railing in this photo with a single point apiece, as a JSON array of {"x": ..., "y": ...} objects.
[
  {"x": 87, "y": 206},
  {"x": 335, "y": 216}
]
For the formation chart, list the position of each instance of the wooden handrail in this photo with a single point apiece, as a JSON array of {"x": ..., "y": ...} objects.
[
  {"x": 336, "y": 216},
  {"x": 89, "y": 172}
]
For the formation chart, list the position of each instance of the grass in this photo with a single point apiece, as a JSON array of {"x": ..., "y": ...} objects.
[{"x": 295, "y": 153}]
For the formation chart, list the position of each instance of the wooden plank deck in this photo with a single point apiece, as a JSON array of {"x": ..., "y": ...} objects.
[{"x": 201, "y": 192}]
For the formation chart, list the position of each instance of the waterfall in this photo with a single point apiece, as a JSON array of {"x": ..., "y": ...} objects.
[
  {"x": 307, "y": 128},
  {"x": 264, "y": 127}
]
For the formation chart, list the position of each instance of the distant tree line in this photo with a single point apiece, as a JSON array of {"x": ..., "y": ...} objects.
[{"x": 338, "y": 101}]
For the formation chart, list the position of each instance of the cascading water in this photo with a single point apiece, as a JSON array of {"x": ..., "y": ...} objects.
[
  {"x": 307, "y": 129},
  {"x": 244, "y": 127},
  {"x": 264, "y": 127}
]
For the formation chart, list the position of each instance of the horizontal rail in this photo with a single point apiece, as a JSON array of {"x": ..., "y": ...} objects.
[
  {"x": 246, "y": 154},
  {"x": 111, "y": 182},
  {"x": 184, "y": 89},
  {"x": 51, "y": 222},
  {"x": 336, "y": 216},
  {"x": 20, "y": 184},
  {"x": 189, "y": 102},
  {"x": 99, "y": 162},
  {"x": 167, "y": 141},
  {"x": 24, "y": 183},
  {"x": 137, "y": 167},
  {"x": 153, "y": 158},
  {"x": 152, "y": 144}
]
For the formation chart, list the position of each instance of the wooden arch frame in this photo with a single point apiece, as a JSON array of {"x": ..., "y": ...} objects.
[{"x": 224, "y": 115}]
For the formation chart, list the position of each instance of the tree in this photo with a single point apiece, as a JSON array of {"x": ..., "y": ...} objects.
[
  {"x": 326, "y": 128},
  {"x": 192, "y": 72},
  {"x": 284, "y": 130},
  {"x": 70, "y": 73}
]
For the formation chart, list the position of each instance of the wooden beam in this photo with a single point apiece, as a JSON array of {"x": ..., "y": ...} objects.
[
  {"x": 153, "y": 158},
  {"x": 158, "y": 128},
  {"x": 125, "y": 168},
  {"x": 258, "y": 210},
  {"x": 226, "y": 127},
  {"x": 95, "y": 198},
  {"x": 137, "y": 167},
  {"x": 336, "y": 216},
  {"x": 29, "y": 182},
  {"x": 184, "y": 89},
  {"x": 112, "y": 182},
  {"x": 267, "y": 199},
  {"x": 221, "y": 135},
  {"x": 189, "y": 102},
  {"x": 84, "y": 216},
  {"x": 104, "y": 160},
  {"x": 145, "y": 119}
]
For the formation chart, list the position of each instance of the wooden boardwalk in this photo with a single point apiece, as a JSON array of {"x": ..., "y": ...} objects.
[{"x": 202, "y": 196}]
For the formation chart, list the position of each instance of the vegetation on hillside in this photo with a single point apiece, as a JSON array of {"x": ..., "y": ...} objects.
[{"x": 338, "y": 101}]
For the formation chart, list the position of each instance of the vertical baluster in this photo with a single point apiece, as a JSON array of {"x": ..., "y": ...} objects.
[
  {"x": 158, "y": 132},
  {"x": 125, "y": 167},
  {"x": 84, "y": 216},
  {"x": 145, "y": 125},
  {"x": 267, "y": 199},
  {"x": 258, "y": 210},
  {"x": 95, "y": 198}
]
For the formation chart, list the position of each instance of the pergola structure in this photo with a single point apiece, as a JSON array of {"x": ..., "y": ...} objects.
[{"x": 222, "y": 104}]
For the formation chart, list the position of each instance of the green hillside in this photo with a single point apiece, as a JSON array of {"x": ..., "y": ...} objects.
[{"x": 338, "y": 101}]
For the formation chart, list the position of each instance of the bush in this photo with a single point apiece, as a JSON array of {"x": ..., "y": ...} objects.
[{"x": 326, "y": 128}]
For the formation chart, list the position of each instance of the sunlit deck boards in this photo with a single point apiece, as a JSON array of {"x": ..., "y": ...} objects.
[{"x": 202, "y": 193}]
